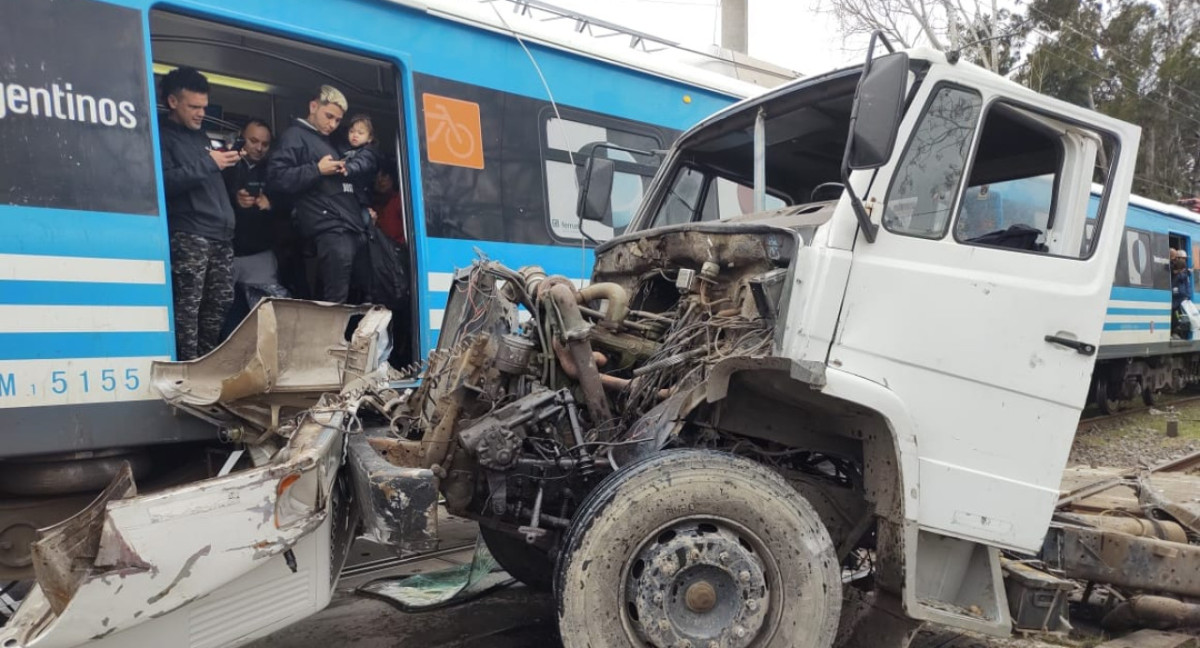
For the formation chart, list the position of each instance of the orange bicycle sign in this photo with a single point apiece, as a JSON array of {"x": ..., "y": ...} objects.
[{"x": 453, "y": 133}]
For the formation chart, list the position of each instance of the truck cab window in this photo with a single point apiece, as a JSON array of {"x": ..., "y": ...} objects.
[
  {"x": 1018, "y": 193},
  {"x": 714, "y": 197},
  {"x": 921, "y": 197},
  {"x": 727, "y": 199},
  {"x": 680, "y": 204}
]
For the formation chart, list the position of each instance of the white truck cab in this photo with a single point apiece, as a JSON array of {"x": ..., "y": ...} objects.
[{"x": 973, "y": 346}]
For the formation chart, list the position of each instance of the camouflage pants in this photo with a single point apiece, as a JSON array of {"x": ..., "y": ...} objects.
[{"x": 202, "y": 277}]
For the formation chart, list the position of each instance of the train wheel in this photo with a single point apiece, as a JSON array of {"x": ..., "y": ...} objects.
[
  {"x": 1104, "y": 402},
  {"x": 697, "y": 548},
  {"x": 520, "y": 559}
]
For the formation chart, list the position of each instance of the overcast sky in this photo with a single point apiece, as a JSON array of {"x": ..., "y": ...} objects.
[{"x": 791, "y": 33}]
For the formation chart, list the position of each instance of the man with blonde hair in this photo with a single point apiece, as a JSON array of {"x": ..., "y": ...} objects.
[{"x": 326, "y": 213}]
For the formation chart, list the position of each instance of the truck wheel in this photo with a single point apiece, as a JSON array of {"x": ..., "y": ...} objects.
[
  {"x": 521, "y": 560},
  {"x": 697, "y": 548}
]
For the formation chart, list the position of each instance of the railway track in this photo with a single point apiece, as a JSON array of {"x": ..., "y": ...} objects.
[{"x": 1161, "y": 404}]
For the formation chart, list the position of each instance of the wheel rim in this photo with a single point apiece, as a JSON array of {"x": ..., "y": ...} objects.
[{"x": 700, "y": 583}]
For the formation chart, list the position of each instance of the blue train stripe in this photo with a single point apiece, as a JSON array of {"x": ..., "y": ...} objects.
[
  {"x": 60, "y": 293},
  {"x": 1139, "y": 311},
  {"x": 29, "y": 346},
  {"x": 1125, "y": 293},
  {"x": 63, "y": 232},
  {"x": 1134, "y": 326}
]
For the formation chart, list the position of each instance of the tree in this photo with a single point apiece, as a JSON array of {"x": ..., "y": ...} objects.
[
  {"x": 1133, "y": 60},
  {"x": 976, "y": 28}
]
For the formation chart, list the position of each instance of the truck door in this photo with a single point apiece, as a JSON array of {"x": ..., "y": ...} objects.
[{"x": 982, "y": 299}]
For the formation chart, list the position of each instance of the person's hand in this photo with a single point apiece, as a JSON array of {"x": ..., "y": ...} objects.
[
  {"x": 374, "y": 215},
  {"x": 244, "y": 199},
  {"x": 262, "y": 203},
  {"x": 329, "y": 166},
  {"x": 225, "y": 159}
]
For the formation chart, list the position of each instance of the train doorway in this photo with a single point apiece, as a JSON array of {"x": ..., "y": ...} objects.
[{"x": 257, "y": 76}]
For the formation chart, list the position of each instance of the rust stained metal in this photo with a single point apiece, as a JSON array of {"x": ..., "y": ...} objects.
[
  {"x": 1156, "y": 612},
  {"x": 115, "y": 556},
  {"x": 1137, "y": 526},
  {"x": 398, "y": 505},
  {"x": 183, "y": 573},
  {"x": 1124, "y": 560},
  {"x": 63, "y": 554},
  {"x": 1155, "y": 503}
]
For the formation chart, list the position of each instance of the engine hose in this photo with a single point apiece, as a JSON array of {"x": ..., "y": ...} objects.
[{"x": 574, "y": 333}]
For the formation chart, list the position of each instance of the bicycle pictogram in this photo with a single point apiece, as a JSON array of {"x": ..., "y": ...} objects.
[{"x": 453, "y": 133}]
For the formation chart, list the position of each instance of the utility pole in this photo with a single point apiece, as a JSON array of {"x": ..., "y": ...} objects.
[{"x": 735, "y": 29}]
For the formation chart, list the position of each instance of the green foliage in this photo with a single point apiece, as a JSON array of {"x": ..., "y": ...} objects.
[{"x": 1133, "y": 59}]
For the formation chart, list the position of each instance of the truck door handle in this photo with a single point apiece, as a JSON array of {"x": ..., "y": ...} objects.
[{"x": 1082, "y": 347}]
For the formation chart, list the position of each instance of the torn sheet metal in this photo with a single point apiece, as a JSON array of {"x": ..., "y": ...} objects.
[
  {"x": 63, "y": 551},
  {"x": 277, "y": 363},
  {"x": 218, "y": 562},
  {"x": 165, "y": 550},
  {"x": 398, "y": 504}
]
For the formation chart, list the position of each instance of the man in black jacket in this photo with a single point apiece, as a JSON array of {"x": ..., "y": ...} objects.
[
  {"x": 259, "y": 229},
  {"x": 305, "y": 165},
  {"x": 199, "y": 216}
]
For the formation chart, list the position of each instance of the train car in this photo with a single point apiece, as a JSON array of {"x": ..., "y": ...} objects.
[
  {"x": 1149, "y": 345},
  {"x": 484, "y": 115}
]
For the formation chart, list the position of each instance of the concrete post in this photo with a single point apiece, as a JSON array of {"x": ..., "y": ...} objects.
[{"x": 735, "y": 29}]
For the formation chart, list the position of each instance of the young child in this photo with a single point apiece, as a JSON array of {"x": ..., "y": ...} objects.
[{"x": 362, "y": 161}]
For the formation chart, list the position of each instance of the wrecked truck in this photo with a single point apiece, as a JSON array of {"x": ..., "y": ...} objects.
[{"x": 716, "y": 438}]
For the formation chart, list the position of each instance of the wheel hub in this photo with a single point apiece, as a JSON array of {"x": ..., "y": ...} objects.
[{"x": 697, "y": 584}]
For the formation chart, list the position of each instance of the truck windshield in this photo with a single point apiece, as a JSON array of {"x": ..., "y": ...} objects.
[{"x": 806, "y": 126}]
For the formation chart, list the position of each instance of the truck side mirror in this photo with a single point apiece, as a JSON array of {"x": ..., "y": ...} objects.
[
  {"x": 874, "y": 120},
  {"x": 879, "y": 107},
  {"x": 595, "y": 196}
]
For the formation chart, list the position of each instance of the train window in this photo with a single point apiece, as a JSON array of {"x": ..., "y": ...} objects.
[
  {"x": 1023, "y": 190},
  {"x": 921, "y": 197},
  {"x": 568, "y": 144}
]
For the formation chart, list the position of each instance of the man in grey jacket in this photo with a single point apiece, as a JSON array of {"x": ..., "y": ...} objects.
[{"x": 199, "y": 215}]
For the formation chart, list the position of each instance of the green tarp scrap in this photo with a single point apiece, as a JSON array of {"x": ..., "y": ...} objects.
[{"x": 457, "y": 584}]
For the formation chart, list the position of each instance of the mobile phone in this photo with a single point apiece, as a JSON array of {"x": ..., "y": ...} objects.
[{"x": 238, "y": 144}]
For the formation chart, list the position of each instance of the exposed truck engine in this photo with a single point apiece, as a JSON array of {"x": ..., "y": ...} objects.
[{"x": 540, "y": 389}]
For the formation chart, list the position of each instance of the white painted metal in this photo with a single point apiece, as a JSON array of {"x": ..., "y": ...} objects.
[
  {"x": 211, "y": 568},
  {"x": 957, "y": 332}
]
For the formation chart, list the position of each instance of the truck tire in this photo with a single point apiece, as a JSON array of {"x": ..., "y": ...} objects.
[
  {"x": 699, "y": 548},
  {"x": 521, "y": 560}
]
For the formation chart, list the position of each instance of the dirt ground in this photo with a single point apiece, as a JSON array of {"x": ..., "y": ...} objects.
[{"x": 1138, "y": 439}]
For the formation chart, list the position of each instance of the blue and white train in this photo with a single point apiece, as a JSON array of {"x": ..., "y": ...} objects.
[
  {"x": 1139, "y": 354},
  {"x": 485, "y": 120}
]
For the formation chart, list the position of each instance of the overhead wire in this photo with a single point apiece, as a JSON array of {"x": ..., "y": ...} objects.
[{"x": 583, "y": 273}]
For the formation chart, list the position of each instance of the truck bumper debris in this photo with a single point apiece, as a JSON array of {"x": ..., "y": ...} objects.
[{"x": 221, "y": 561}]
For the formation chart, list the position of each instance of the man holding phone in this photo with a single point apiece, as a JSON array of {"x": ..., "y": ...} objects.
[
  {"x": 305, "y": 166},
  {"x": 199, "y": 216},
  {"x": 257, "y": 227}
]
